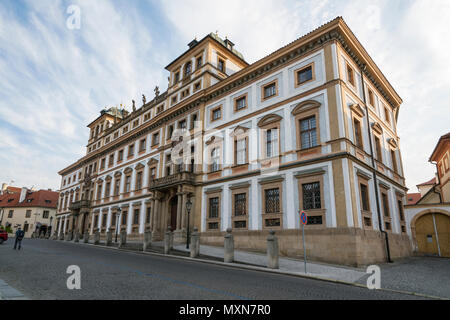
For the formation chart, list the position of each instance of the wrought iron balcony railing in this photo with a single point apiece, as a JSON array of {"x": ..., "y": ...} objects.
[{"x": 174, "y": 179}]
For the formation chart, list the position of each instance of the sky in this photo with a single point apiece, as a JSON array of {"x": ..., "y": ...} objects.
[{"x": 57, "y": 74}]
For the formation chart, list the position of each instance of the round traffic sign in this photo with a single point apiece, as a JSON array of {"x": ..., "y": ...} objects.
[{"x": 303, "y": 217}]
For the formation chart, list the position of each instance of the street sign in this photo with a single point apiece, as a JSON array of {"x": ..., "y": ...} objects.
[{"x": 303, "y": 218}]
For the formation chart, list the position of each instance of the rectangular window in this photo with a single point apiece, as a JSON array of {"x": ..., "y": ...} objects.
[
  {"x": 314, "y": 220},
  {"x": 199, "y": 62},
  {"x": 107, "y": 189},
  {"x": 272, "y": 200},
  {"x": 104, "y": 216},
  {"x": 102, "y": 164},
  {"x": 371, "y": 98},
  {"x": 117, "y": 187},
  {"x": 387, "y": 116},
  {"x": 124, "y": 218},
  {"x": 351, "y": 75},
  {"x": 400, "y": 210},
  {"x": 139, "y": 181},
  {"x": 270, "y": 90},
  {"x": 304, "y": 75},
  {"x": 111, "y": 159},
  {"x": 99, "y": 191},
  {"x": 187, "y": 68},
  {"x": 216, "y": 113},
  {"x": 153, "y": 173},
  {"x": 177, "y": 77},
  {"x": 214, "y": 207},
  {"x": 28, "y": 214},
  {"x": 10, "y": 213},
  {"x": 215, "y": 160},
  {"x": 127, "y": 184},
  {"x": 240, "y": 204},
  {"x": 142, "y": 145},
  {"x": 221, "y": 65},
  {"x": 148, "y": 215},
  {"x": 155, "y": 138},
  {"x": 272, "y": 143},
  {"x": 120, "y": 156},
  {"x": 358, "y": 134},
  {"x": 182, "y": 124},
  {"x": 131, "y": 150},
  {"x": 385, "y": 201},
  {"x": 378, "y": 149},
  {"x": 241, "y": 151},
  {"x": 241, "y": 103},
  {"x": 308, "y": 132},
  {"x": 364, "y": 197},
  {"x": 136, "y": 216},
  {"x": 311, "y": 196},
  {"x": 394, "y": 161}
]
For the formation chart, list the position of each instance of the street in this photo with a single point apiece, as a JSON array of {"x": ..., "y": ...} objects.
[{"x": 39, "y": 272}]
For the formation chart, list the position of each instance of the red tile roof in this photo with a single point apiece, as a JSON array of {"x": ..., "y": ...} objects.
[
  {"x": 41, "y": 198},
  {"x": 432, "y": 182},
  {"x": 413, "y": 198}
]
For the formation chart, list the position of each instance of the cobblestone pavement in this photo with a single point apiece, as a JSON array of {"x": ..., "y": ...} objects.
[
  {"x": 39, "y": 272},
  {"x": 426, "y": 275}
]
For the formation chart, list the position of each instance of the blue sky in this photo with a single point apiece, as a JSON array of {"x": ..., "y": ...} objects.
[{"x": 54, "y": 80}]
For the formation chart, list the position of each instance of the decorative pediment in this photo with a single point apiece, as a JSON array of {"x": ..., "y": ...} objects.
[
  {"x": 305, "y": 106},
  {"x": 100, "y": 180},
  {"x": 139, "y": 166},
  {"x": 393, "y": 143},
  {"x": 271, "y": 118},
  {"x": 117, "y": 174},
  {"x": 77, "y": 189},
  {"x": 377, "y": 128},
  {"x": 108, "y": 178},
  {"x": 213, "y": 139},
  {"x": 356, "y": 108},
  {"x": 128, "y": 170},
  {"x": 239, "y": 130},
  {"x": 152, "y": 161},
  {"x": 71, "y": 191}
]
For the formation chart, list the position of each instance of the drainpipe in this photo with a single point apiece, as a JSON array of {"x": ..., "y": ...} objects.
[
  {"x": 388, "y": 253},
  {"x": 438, "y": 181}
]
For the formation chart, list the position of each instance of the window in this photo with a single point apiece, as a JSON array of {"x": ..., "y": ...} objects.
[
  {"x": 199, "y": 62},
  {"x": 95, "y": 221},
  {"x": 174, "y": 100},
  {"x": 182, "y": 124},
  {"x": 117, "y": 187},
  {"x": 124, "y": 218},
  {"x": 394, "y": 161},
  {"x": 104, "y": 216},
  {"x": 221, "y": 65},
  {"x": 107, "y": 189},
  {"x": 351, "y": 75},
  {"x": 113, "y": 220},
  {"x": 127, "y": 184},
  {"x": 169, "y": 132},
  {"x": 120, "y": 156},
  {"x": 240, "y": 204},
  {"x": 116, "y": 135},
  {"x": 269, "y": 90},
  {"x": 148, "y": 215},
  {"x": 102, "y": 163},
  {"x": 240, "y": 103},
  {"x": 10, "y": 213},
  {"x": 371, "y": 98},
  {"x": 99, "y": 191},
  {"x": 111, "y": 159},
  {"x": 193, "y": 120},
  {"x": 400, "y": 210},
  {"x": 155, "y": 138},
  {"x": 147, "y": 116},
  {"x": 216, "y": 114},
  {"x": 187, "y": 69},
  {"x": 28, "y": 214},
  {"x": 142, "y": 145},
  {"x": 241, "y": 151},
  {"x": 139, "y": 181},
  {"x": 308, "y": 134},
  {"x": 385, "y": 201},
  {"x": 177, "y": 77},
  {"x": 214, "y": 207},
  {"x": 364, "y": 197},
  {"x": 197, "y": 86},
  {"x": 131, "y": 150},
  {"x": 152, "y": 173},
  {"x": 378, "y": 149},
  {"x": 387, "y": 116},
  {"x": 272, "y": 200},
  {"x": 136, "y": 216},
  {"x": 135, "y": 123},
  {"x": 125, "y": 130},
  {"x": 304, "y": 75},
  {"x": 215, "y": 160},
  {"x": 160, "y": 109},
  {"x": 185, "y": 93},
  {"x": 358, "y": 134},
  {"x": 272, "y": 143},
  {"x": 311, "y": 196}
]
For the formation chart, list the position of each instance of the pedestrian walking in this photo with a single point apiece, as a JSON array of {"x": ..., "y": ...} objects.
[{"x": 19, "y": 236}]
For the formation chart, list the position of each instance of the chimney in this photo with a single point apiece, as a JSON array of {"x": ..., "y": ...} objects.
[
  {"x": 229, "y": 44},
  {"x": 193, "y": 43},
  {"x": 23, "y": 194},
  {"x": 3, "y": 189}
]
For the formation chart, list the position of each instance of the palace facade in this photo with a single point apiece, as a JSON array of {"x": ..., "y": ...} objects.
[{"x": 310, "y": 127}]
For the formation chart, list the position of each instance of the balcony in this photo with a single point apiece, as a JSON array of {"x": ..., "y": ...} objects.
[
  {"x": 172, "y": 180},
  {"x": 82, "y": 204}
]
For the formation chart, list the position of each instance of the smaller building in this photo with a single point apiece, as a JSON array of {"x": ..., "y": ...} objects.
[
  {"x": 428, "y": 212},
  {"x": 31, "y": 210}
]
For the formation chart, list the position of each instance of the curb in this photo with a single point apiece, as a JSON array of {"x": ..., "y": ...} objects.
[{"x": 262, "y": 269}]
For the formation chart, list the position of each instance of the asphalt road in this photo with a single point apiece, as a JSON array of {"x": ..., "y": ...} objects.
[{"x": 39, "y": 272}]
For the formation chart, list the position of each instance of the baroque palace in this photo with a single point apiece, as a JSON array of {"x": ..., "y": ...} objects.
[{"x": 310, "y": 127}]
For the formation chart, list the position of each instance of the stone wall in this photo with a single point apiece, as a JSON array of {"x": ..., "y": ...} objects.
[{"x": 347, "y": 246}]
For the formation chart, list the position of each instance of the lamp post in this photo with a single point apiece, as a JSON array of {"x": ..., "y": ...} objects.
[
  {"x": 188, "y": 208},
  {"x": 117, "y": 221},
  {"x": 50, "y": 227},
  {"x": 1, "y": 219}
]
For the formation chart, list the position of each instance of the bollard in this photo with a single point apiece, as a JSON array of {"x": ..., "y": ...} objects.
[
  {"x": 86, "y": 237},
  {"x": 167, "y": 240},
  {"x": 108, "y": 238},
  {"x": 272, "y": 251},
  {"x": 77, "y": 237},
  {"x": 123, "y": 238},
  {"x": 97, "y": 237},
  {"x": 228, "y": 247},
  {"x": 195, "y": 243},
  {"x": 147, "y": 239}
]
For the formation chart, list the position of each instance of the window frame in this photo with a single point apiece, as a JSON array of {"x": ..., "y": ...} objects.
[
  {"x": 267, "y": 185},
  {"x": 236, "y": 99},
  {"x": 263, "y": 90},
  {"x": 211, "y": 195},
  {"x": 299, "y": 70},
  {"x": 237, "y": 190}
]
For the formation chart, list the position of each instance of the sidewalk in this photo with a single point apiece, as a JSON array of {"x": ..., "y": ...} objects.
[
  {"x": 9, "y": 293},
  {"x": 293, "y": 266}
]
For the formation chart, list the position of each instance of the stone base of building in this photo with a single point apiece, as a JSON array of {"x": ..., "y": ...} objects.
[{"x": 345, "y": 246}]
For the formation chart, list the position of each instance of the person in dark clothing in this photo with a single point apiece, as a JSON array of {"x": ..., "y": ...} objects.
[{"x": 19, "y": 236}]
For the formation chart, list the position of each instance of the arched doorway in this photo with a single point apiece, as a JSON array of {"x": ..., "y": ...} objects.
[
  {"x": 433, "y": 234},
  {"x": 173, "y": 212}
]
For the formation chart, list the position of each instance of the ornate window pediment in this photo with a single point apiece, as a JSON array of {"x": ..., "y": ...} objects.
[
  {"x": 393, "y": 143},
  {"x": 271, "y": 118},
  {"x": 128, "y": 170},
  {"x": 213, "y": 139},
  {"x": 139, "y": 166},
  {"x": 239, "y": 130},
  {"x": 305, "y": 106},
  {"x": 108, "y": 178},
  {"x": 377, "y": 128},
  {"x": 356, "y": 108},
  {"x": 117, "y": 174},
  {"x": 152, "y": 161}
]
